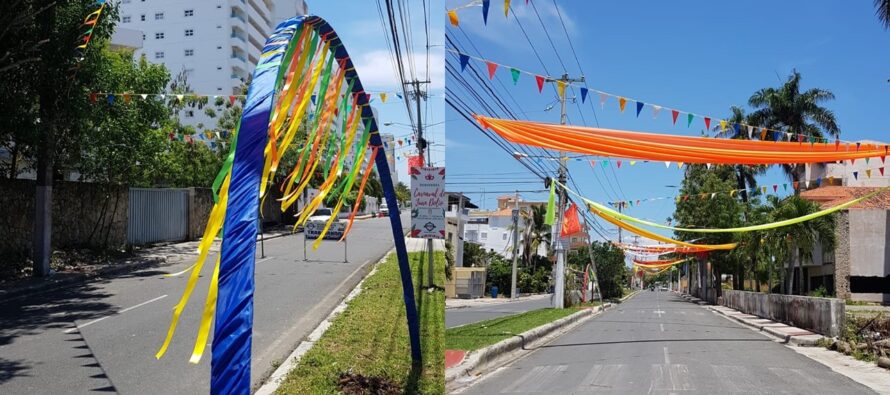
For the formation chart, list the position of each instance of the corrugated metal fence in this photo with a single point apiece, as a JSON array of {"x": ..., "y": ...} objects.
[{"x": 157, "y": 215}]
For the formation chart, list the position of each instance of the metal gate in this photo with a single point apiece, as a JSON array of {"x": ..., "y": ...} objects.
[{"x": 157, "y": 215}]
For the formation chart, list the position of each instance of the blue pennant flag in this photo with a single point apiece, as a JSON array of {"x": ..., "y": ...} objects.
[
  {"x": 640, "y": 107},
  {"x": 464, "y": 59},
  {"x": 110, "y": 98},
  {"x": 583, "y": 94},
  {"x": 313, "y": 99},
  {"x": 485, "y": 4},
  {"x": 738, "y": 129},
  {"x": 777, "y": 135}
]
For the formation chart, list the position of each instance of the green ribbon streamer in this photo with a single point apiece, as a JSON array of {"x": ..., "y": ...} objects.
[
  {"x": 227, "y": 165},
  {"x": 550, "y": 217}
]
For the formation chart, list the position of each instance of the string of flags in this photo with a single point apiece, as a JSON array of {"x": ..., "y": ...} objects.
[
  {"x": 726, "y": 128},
  {"x": 486, "y": 5},
  {"x": 111, "y": 97},
  {"x": 83, "y": 41}
]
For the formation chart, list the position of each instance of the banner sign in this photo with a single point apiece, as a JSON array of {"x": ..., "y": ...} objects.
[
  {"x": 428, "y": 202},
  {"x": 313, "y": 229}
]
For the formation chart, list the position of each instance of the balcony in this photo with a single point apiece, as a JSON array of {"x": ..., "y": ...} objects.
[
  {"x": 238, "y": 15},
  {"x": 239, "y": 56}
]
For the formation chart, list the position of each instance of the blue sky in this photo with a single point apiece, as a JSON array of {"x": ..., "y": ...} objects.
[
  {"x": 358, "y": 25},
  {"x": 697, "y": 56}
]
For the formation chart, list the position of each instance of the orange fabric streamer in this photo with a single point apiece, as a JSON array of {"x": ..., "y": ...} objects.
[
  {"x": 660, "y": 147},
  {"x": 361, "y": 192}
]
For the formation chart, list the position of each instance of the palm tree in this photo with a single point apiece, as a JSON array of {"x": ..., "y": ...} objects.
[
  {"x": 787, "y": 108},
  {"x": 535, "y": 234},
  {"x": 800, "y": 239},
  {"x": 745, "y": 178},
  {"x": 883, "y": 12}
]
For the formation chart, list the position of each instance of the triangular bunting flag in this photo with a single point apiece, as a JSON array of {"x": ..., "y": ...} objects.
[
  {"x": 110, "y": 98},
  {"x": 492, "y": 67},
  {"x": 583, "y": 94},
  {"x": 452, "y": 17},
  {"x": 506, "y": 7},
  {"x": 689, "y": 118},
  {"x": 881, "y": 169},
  {"x": 775, "y": 188},
  {"x": 383, "y": 97},
  {"x": 750, "y": 132},
  {"x": 485, "y": 5},
  {"x": 144, "y": 96},
  {"x": 464, "y": 60},
  {"x": 707, "y": 123},
  {"x": 561, "y": 88},
  {"x": 639, "y": 107},
  {"x": 855, "y": 175},
  {"x": 667, "y": 165},
  {"x": 232, "y": 100},
  {"x": 540, "y": 80},
  {"x": 674, "y": 114},
  {"x": 655, "y": 111},
  {"x": 619, "y": 164},
  {"x": 515, "y": 74},
  {"x": 622, "y": 102},
  {"x": 633, "y": 162},
  {"x": 737, "y": 128},
  {"x": 796, "y": 184},
  {"x": 868, "y": 173},
  {"x": 722, "y": 125}
]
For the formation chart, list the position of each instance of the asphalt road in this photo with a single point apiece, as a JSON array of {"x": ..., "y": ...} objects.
[
  {"x": 102, "y": 336},
  {"x": 469, "y": 315},
  {"x": 656, "y": 343}
]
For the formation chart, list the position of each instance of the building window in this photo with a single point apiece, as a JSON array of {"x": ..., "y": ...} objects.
[
  {"x": 159, "y": 55},
  {"x": 504, "y": 236},
  {"x": 189, "y": 52},
  {"x": 483, "y": 235},
  {"x": 142, "y": 17},
  {"x": 159, "y": 16},
  {"x": 189, "y": 113},
  {"x": 189, "y": 13},
  {"x": 125, "y": 19},
  {"x": 159, "y": 36},
  {"x": 218, "y": 47},
  {"x": 189, "y": 32}
]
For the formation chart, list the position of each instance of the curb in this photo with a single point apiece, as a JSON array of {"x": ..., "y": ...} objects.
[
  {"x": 270, "y": 384},
  {"x": 478, "y": 361},
  {"x": 768, "y": 327}
]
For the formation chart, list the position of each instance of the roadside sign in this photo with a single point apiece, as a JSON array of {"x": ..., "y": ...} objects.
[
  {"x": 313, "y": 229},
  {"x": 428, "y": 202}
]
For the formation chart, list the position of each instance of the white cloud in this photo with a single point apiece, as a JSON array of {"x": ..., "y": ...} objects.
[{"x": 377, "y": 71}]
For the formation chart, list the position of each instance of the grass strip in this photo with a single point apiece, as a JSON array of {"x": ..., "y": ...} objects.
[
  {"x": 366, "y": 349},
  {"x": 485, "y": 333}
]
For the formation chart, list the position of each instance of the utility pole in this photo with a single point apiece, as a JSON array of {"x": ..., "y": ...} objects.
[
  {"x": 620, "y": 205},
  {"x": 420, "y": 95},
  {"x": 513, "y": 293},
  {"x": 459, "y": 248},
  {"x": 559, "y": 288}
]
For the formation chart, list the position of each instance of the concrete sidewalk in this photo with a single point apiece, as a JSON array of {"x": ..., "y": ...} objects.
[
  {"x": 786, "y": 333},
  {"x": 462, "y": 303}
]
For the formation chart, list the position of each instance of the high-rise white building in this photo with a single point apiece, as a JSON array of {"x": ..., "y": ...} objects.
[
  {"x": 217, "y": 43},
  {"x": 389, "y": 147}
]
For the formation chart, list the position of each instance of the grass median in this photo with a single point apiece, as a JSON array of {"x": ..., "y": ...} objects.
[
  {"x": 366, "y": 349},
  {"x": 485, "y": 333}
]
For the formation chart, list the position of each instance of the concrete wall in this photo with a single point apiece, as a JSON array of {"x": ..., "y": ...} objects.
[
  {"x": 869, "y": 255},
  {"x": 84, "y": 215},
  {"x": 820, "y": 315}
]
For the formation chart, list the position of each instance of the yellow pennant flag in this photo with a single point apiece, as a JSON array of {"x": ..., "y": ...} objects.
[
  {"x": 633, "y": 162},
  {"x": 506, "y": 8},
  {"x": 722, "y": 125},
  {"x": 868, "y": 172},
  {"x": 561, "y": 88},
  {"x": 622, "y": 102},
  {"x": 383, "y": 97},
  {"x": 452, "y": 17}
]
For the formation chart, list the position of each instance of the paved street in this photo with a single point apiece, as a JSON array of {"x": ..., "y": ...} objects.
[
  {"x": 122, "y": 321},
  {"x": 657, "y": 343},
  {"x": 469, "y": 315}
]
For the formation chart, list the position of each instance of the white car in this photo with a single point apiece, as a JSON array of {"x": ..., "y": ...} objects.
[
  {"x": 384, "y": 209},
  {"x": 317, "y": 222}
]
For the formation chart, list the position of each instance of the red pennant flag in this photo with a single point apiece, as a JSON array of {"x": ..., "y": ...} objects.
[
  {"x": 491, "y": 69},
  {"x": 619, "y": 164},
  {"x": 674, "y": 115},
  {"x": 415, "y": 161},
  {"x": 800, "y": 138},
  {"x": 796, "y": 185},
  {"x": 232, "y": 100},
  {"x": 837, "y": 144},
  {"x": 540, "y": 80},
  {"x": 93, "y": 97},
  {"x": 570, "y": 223},
  {"x": 775, "y": 188},
  {"x": 685, "y": 197},
  {"x": 126, "y": 98},
  {"x": 881, "y": 170},
  {"x": 707, "y": 123}
]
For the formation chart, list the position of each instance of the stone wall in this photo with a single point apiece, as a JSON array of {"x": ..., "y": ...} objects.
[
  {"x": 84, "y": 215},
  {"x": 842, "y": 256},
  {"x": 200, "y": 204},
  {"x": 820, "y": 315}
]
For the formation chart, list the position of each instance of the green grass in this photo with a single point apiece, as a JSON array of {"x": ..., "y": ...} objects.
[
  {"x": 485, "y": 333},
  {"x": 371, "y": 336}
]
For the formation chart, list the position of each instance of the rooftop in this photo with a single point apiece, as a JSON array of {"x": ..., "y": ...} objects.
[{"x": 830, "y": 196}]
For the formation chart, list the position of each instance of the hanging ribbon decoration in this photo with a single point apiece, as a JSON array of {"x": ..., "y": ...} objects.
[
  {"x": 669, "y": 148},
  {"x": 303, "y": 59},
  {"x": 83, "y": 41}
]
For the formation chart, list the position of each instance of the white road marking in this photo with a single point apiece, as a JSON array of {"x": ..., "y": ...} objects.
[
  {"x": 264, "y": 259},
  {"x": 667, "y": 359},
  {"x": 78, "y": 327},
  {"x": 659, "y": 313},
  {"x": 661, "y": 326}
]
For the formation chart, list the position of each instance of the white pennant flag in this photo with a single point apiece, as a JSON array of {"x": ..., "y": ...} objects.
[
  {"x": 807, "y": 183},
  {"x": 655, "y": 110},
  {"x": 667, "y": 164},
  {"x": 708, "y": 165},
  {"x": 713, "y": 194},
  {"x": 144, "y": 96},
  {"x": 750, "y": 131},
  {"x": 787, "y": 134},
  {"x": 179, "y": 97}
]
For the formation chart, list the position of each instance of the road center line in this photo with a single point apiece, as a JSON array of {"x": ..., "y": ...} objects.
[
  {"x": 661, "y": 326},
  {"x": 78, "y": 327},
  {"x": 667, "y": 359}
]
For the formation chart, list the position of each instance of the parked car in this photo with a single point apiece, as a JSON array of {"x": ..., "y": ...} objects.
[{"x": 384, "y": 209}]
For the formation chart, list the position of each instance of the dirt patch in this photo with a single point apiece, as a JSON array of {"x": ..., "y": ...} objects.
[{"x": 357, "y": 384}]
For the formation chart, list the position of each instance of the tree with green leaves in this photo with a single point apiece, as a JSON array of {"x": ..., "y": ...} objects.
[
  {"x": 535, "y": 234},
  {"x": 788, "y": 109},
  {"x": 883, "y": 12},
  {"x": 800, "y": 239},
  {"x": 403, "y": 193},
  {"x": 611, "y": 271}
]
